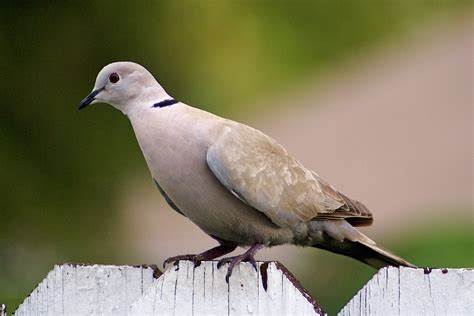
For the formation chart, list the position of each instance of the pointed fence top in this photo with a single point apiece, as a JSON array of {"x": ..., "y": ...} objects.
[
  {"x": 78, "y": 289},
  {"x": 181, "y": 290},
  {"x": 408, "y": 291}
]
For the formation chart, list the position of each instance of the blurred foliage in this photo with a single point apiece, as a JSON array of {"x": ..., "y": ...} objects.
[{"x": 60, "y": 169}]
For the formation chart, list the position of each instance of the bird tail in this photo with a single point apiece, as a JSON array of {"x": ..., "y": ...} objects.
[
  {"x": 379, "y": 257},
  {"x": 366, "y": 251}
]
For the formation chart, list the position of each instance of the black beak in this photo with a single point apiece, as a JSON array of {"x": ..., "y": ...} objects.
[{"x": 88, "y": 100}]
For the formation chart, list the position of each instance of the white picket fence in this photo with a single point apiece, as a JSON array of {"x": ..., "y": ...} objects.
[{"x": 79, "y": 289}]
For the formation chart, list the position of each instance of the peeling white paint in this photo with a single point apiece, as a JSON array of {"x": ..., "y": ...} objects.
[
  {"x": 72, "y": 289},
  {"x": 407, "y": 291},
  {"x": 204, "y": 291},
  {"x": 76, "y": 289}
]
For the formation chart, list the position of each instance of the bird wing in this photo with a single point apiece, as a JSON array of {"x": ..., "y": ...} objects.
[{"x": 262, "y": 174}]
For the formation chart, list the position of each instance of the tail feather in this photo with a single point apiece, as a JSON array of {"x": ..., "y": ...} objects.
[
  {"x": 382, "y": 257},
  {"x": 366, "y": 252}
]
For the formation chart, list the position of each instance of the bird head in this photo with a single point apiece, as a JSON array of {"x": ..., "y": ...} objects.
[{"x": 125, "y": 85}]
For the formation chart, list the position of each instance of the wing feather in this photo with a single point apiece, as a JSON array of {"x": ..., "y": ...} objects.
[{"x": 262, "y": 174}]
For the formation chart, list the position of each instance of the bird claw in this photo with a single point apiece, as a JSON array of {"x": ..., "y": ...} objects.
[
  {"x": 254, "y": 264},
  {"x": 218, "y": 251},
  {"x": 245, "y": 257},
  {"x": 196, "y": 259},
  {"x": 206, "y": 255},
  {"x": 223, "y": 261}
]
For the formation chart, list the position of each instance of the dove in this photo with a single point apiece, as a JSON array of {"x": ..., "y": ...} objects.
[{"x": 235, "y": 183}]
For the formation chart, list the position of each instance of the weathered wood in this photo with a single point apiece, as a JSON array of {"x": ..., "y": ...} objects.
[
  {"x": 72, "y": 289},
  {"x": 78, "y": 289},
  {"x": 186, "y": 290},
  {"x": 406, "y": 291}
]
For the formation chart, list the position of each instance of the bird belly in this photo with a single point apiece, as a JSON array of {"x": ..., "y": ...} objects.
[
  {"x": 175, "y": 149},
  {"x": 206, "y": 202},
  {"x": 198, "y": 194}
]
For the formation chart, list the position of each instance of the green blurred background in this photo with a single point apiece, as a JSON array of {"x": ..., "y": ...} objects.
[{"x": 62, "y": 170}]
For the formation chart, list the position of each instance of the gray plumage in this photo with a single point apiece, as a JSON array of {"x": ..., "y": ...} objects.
[{"x": 234, "y": 182}]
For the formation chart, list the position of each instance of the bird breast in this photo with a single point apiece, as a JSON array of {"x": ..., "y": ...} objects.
[{"x": 174, "y": 141}]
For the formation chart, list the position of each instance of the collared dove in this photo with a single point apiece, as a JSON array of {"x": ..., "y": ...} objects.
[{"x": 237, "y": 184}]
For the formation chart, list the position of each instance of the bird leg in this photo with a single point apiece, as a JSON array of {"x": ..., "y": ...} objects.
[
  {"x": 210, "y": 254},
  {"x": 247, "y": 256}
]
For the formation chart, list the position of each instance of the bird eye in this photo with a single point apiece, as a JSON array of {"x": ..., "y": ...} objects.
[{"x": 114, "y": 77}]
